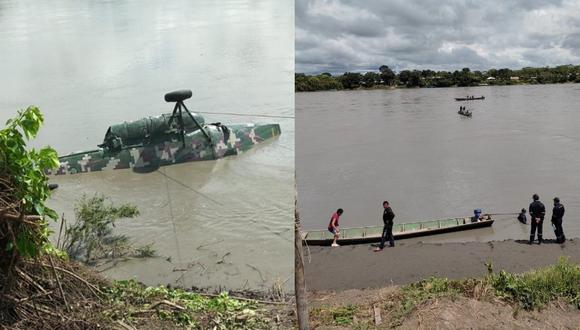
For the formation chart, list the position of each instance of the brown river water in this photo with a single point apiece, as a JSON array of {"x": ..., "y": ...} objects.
[
  {"x": 90, "y": 64},
  {"x": 355, "y": 149}
]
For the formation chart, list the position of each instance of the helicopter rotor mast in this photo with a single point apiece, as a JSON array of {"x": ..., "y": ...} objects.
[{"x": 178, "y": 97}]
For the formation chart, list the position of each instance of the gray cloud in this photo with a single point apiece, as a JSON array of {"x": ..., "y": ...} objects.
[{"x": 354, "y": 35}]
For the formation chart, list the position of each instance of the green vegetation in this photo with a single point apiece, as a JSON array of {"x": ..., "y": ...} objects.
[
  {"x": 24, "y": 189},
  {"x": 417, "y": 293},
  {"x": 91, "y": 237},
  {"x": 341, "y": 315},
  {"x": 535, "y": 289},
  {"x": 145, "y": 251},
  {"x": 131, "y": 300},
  {"x": 386, "y": 77},
  {"x": 528, "y": 291}
]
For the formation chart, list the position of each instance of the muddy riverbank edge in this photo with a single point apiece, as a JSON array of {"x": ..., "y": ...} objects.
[
  {"x": 358, "y": 267},
  {"x": 446, "y": 286}
]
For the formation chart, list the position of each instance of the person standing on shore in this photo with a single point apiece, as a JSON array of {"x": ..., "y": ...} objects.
[
  {"x": 333, "y": 225},
  {"x": 537, "y": 212},
  {"x": 557, "y": 217},
  {"x": 388, "y": 217}
]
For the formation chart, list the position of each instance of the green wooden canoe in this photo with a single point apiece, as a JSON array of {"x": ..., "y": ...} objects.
[{"x": 372, "y": 234}]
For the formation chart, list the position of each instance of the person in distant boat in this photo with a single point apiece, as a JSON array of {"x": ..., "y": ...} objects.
[
  {"x": 522, "y": 217},
  {"x": 333, "y": 225},
  {"x": 388, "y": 216},
  {"x": 557, "y": 217},
  {"x": 476, "y": 216},
  {"x": 537, "y": 212}
]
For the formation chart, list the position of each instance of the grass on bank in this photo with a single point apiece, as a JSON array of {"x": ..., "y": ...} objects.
[
  {"x": 131, "y": 300},
  {"x": 53, "y": 293},
  {"x": 528, "y": 291}
]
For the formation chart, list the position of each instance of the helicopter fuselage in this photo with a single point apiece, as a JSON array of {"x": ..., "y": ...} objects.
[{"x": 212, "y": 142}]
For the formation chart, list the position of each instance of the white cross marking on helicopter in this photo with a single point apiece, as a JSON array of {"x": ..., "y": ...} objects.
[
  {"x": 113, "y": 162},
  {"x": 83, "y": 163},
  {"x": 233, "y": 139},
  {"x": 135, "y": 153},
  {"x": 168, "y": 152},
  {"x": 252, "y": 136},
  {"x": 65, "y": 166}
]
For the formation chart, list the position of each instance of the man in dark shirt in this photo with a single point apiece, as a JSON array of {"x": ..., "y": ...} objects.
[
  {"x": 388, "y": 217},
  {"x": 537, "y": 212},
  {"x": 522, "y": 217},
  {"x": 557, "y": 217}
]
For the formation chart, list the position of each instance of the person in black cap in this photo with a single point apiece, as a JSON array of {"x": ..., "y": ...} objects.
[
  {"x": 537, "y": 212},
  {"x": 522, "y": 217},
  {"x": 557, "y": 216}
]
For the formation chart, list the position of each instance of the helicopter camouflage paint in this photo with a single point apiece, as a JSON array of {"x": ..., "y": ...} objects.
[{"x": 148, "y": 143}]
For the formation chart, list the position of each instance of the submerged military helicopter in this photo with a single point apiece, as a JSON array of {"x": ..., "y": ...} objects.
[{"x": 146, "y": 144}]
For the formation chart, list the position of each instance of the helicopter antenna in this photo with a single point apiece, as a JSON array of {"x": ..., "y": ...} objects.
[{"x": 178, "y": 97}]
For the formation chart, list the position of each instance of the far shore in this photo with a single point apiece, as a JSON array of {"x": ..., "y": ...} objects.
[
  {"x": 358, "y": 267},
  {"x": 383, "y": 87}
]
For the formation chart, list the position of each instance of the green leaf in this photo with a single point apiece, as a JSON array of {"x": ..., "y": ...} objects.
[
  {"x": 50, "y": 213},
  {"x": 39, "y": 208},
  {"x": 25, "y": 245}
]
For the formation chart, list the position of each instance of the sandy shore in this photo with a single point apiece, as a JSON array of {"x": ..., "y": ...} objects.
[{"x": 358, "y": 267}]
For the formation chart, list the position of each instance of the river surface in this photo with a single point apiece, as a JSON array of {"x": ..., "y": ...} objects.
[
  {"x": 91, "y": 64},
  {"x": 355, "y": 149}
]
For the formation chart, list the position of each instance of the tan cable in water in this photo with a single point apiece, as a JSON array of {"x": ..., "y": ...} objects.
[
  {"x": 188, "y": 187},
  {"x": 172, "y": 221},
  {"x": 246, "y": 114}
]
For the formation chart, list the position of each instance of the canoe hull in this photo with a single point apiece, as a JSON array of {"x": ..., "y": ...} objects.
[{"x": 398, "y": 235}]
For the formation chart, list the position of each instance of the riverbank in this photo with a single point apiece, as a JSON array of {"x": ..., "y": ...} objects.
[
  {"x": 429, "y": 78},
  {"x": 383, "y": 87},
  {"x": 542, "y": 298},
  {"x": 358, "y": 267},
  {"x": 66, "y": 295}
]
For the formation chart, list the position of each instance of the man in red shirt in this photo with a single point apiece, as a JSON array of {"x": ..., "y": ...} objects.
[{"x": 333, "y": 225}]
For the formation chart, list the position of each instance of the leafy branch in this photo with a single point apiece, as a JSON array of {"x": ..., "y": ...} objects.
[{"x": 24, "y": 188}]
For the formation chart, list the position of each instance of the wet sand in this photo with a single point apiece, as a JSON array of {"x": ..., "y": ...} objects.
[{"x": 358, "y": 267}]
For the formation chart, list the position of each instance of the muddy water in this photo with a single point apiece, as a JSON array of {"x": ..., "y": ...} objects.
[
  {"x": 356, "y": 149},
  {"x": 88, "y": 65}
]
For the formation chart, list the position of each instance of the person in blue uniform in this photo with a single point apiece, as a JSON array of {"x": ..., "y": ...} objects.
[
  {"x": 557, "y": 217},
  {"x": 537, "y": 212}
]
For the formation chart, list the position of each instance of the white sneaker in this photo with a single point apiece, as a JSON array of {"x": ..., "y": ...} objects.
[{"x": 334, "y": 244}]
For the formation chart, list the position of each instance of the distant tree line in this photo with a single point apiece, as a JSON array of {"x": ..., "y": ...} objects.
[{"x": 386, "y": 77}]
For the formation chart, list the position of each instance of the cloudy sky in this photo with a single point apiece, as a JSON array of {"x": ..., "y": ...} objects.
[{"x": 359, "y": 35}]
